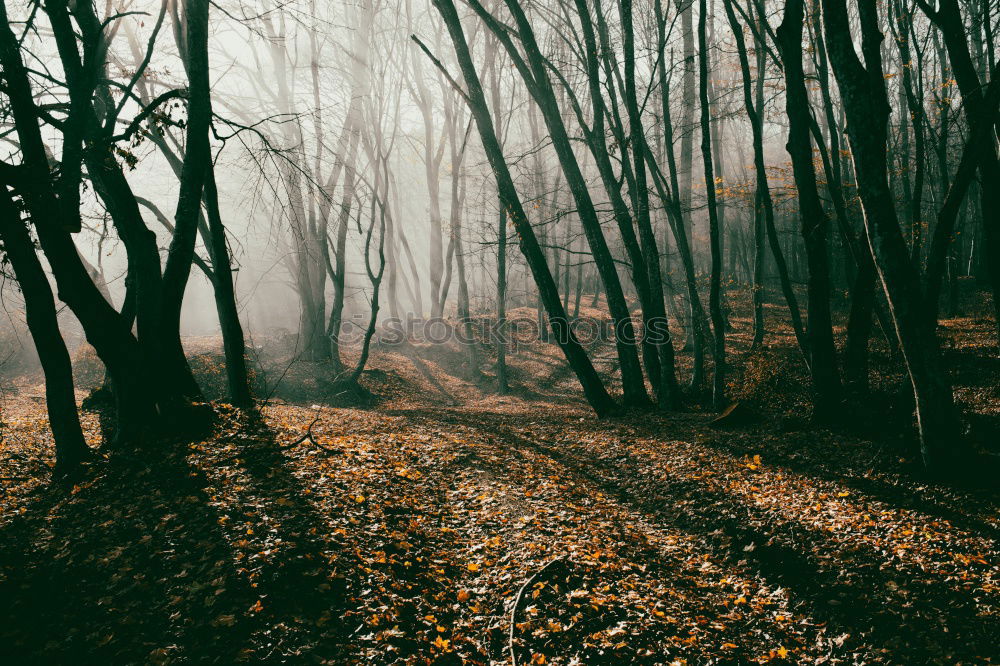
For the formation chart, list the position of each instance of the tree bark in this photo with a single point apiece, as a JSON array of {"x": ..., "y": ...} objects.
[
  {"x": 54, "y": 218},
  {"x": 196, "y": 162},
  {"x": 820, "y": 349},
  {"x": 677, "y": 206},
  {"x": 40, "y": 312},
  {"x": 948, "y": 19},
  {"x": 535, "y": 75},
  {"x": 862, "y": 88},
  {"x": 654, "y": 310},
  {"x": 715, "y": 241}
]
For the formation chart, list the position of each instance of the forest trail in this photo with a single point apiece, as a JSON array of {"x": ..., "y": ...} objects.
[
  {"x": 405, "y": 535},
  {"x": 734, "y": 266}
]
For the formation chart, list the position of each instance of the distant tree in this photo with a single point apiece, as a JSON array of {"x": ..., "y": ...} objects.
[
  {"x": 593, "y": 387},
  {"x": 820, "y": 349}
]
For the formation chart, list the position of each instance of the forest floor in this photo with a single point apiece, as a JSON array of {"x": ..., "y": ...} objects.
[{"x": 450, "y": 525}]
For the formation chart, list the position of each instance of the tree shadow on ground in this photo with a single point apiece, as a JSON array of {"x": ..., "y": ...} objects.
[
  {"x": 199, "y": 554},
  {"x": 428, "y": 374},
  {"x": 878, "y": 474},
  {"x": 940, "y": 621},
  {"x": 323, "y": 571},
  {"x": 286, "y": 550},
  {"x": 126, "y": 567},
  {"x": 228, "y": 555},
  {"x": 143, "y": 563}
]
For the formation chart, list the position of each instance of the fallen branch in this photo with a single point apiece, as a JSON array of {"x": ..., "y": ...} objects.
[
  {"x": 307, "y": 436},
  {"x": 283, "y": 447},
  {"x": 517, "y": 604}
]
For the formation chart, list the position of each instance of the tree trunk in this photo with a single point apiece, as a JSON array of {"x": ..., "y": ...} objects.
[
  {"x": 654, "y": 311},
  {"x": 503, "y": 386},
  {"x": 338, "y": 272},
  {"x": 948, "y": 18},
  {"x": 862, "y": 88},
  {"x": 678, "y": 206},
  {"x": 54, "y": 218},
  {"x": 535, "y": 74},
  {"x": 715, "y": 293},
  {"x": 233, "y": 342},
  {"x": 40, "y": 312},
  {"x": 820, "y": 349}
]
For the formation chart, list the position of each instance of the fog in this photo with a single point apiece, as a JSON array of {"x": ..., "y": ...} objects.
[
  {"x": 307, "y": 175},
  {"x": 283, "y": 77},
  {"x": 499, "y": 331}
]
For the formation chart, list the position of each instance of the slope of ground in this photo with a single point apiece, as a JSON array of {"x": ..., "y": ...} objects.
[{"x": 479, "y": 528}]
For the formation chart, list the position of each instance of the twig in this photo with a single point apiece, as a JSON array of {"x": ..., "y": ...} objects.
[
  {"x": 517, "y": 604},
  {"x": 311, "y": 438},
  {"x": 150, "y": 109},
  {"x": 442, "y": 69},
  {"x": 308, "y": 435},
  {"x": 245, "y": 448}
]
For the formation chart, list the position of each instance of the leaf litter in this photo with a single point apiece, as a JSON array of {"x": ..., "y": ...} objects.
[{"x": 405, "y": 534}]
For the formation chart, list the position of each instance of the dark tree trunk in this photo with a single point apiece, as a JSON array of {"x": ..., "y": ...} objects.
[
  {"x": 862, "y": 287},
  {"x": 943, "y": 239},
  {"x": 535, "y": 74},
  {"x": 821, "y": 350},
  {"x": 715, "y": 291},
  {"x": 54, "y": 218},
  {"x": 213, "y": 235},
  {"x": 40, "y": 311},
  {"x": 233, "y": 341},
  {"x": 196, "y": 162},
  {"x": 763, "y": 195},
  {"x": 862, "y": 88},
  {"x": 597, "y": 140},
  {"x": 914, "y": 108},
  {"x": 978, "y": 109},
  {"x": 689, "y": 92},
  {"x": 678, "y": 206},
  {"x": 503, "y": 385},
  {"x": 338, "y": 272},
  {"x": 655, "y": 310},
  {"x": 759, "y": 232}
]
